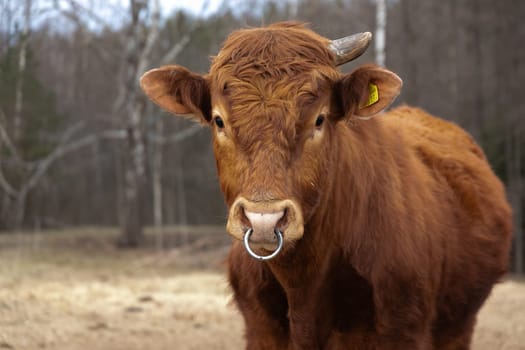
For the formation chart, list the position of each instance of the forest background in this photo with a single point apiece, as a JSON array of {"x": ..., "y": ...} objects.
[{"x": 81, "y": 146}]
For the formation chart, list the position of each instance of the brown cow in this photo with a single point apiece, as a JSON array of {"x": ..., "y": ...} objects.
[{"x": 394, "y": 226}]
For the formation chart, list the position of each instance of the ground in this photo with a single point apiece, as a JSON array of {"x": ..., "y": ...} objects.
[{"x": 74, "y": 290}]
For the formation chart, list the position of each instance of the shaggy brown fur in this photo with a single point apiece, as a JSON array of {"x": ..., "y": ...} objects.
[{"x": 406, "y": 228}]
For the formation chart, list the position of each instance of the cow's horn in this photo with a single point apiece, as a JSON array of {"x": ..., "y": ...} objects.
[{"x": 350, "y": 47}]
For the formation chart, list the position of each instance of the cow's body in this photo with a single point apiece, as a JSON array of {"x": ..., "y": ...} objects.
[
  {"x": 395, "y": 227},
  {"x": 416, "y": 221}
]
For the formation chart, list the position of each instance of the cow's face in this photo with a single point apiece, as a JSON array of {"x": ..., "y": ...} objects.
[{"x": 275, "y": 102}]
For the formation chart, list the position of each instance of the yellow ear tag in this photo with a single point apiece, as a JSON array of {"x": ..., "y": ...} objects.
[{"x": 373, "y": 95}]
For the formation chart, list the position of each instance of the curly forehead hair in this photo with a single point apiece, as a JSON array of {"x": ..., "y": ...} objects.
[
  {"x": 282, "y": 48},
  {"x": 279, "y": 62}
]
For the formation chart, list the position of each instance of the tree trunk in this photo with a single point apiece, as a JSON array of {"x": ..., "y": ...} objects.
[
  {"x": 157, "y": 183},
  {"x": 132, "y": 235},
  {"x": 476, "y": 125},
  {"x": 410, "y": 44},
  {"x": 181, "y": 201},
  {"x": 13, "y": 211},
  {"x": 380, "y": 42},
  {"x": 139, "y": 42},
  {"x": 453, "y": 57},
  {"x": 19, "y": 93}
]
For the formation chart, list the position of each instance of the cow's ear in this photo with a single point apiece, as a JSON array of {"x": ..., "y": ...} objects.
[
  {"x": 367, "y": 91},
  {"x": 179, "y": 91}
]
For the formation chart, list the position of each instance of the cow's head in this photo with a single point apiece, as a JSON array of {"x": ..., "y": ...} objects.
[{"x": 275, "y": 100}]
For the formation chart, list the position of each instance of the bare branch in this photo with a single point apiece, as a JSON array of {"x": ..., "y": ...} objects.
[
  {"x": 61, "y": 149},
  {"x": 6, "y": 186},
  {"x": 12, "y": 149},
  {"x": 64, "y": 148},
  {"x": 70, "y": 131},
  {"x": 76, "y": 9},
  {"x": 176, "y": 137},
  {"x": 153, "y": 34},
  {"x": 106, "y": 55},
  {"x": 118, "y": 134},
  {"x": 172, "y": 54},
  {"x": 6, "y": 139},
  {"x": 76, "y": 15}
]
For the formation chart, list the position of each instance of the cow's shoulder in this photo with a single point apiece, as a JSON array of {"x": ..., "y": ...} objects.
[{"x": 451, "y": 156}]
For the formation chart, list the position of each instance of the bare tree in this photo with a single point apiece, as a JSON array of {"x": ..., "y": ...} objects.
[
  {"x": 141, "y": 33},
  {"x": 158, "y": 141},
  {"x": 26, "y": 175},
  {"x": 13, "y": 213},
  {"x": 139, "y": 38}
]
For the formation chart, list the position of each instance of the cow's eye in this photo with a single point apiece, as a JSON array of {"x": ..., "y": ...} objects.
[
  {"x": 219, "y": 122},
  {"x": 319, "y": 121}
]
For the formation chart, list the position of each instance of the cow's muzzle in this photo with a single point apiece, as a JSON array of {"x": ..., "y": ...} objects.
[{"x": 263, "y": 221}]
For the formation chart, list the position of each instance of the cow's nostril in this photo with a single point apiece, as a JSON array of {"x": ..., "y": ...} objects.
[
  {"x": 244, "y": 219},
  {"x": 283, "y": 222},
  {"x": 265, "y": 223}
]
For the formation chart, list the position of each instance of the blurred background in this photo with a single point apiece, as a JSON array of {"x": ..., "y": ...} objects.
[{"x": 81, "y": 147}]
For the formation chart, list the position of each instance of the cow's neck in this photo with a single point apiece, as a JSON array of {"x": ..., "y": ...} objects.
[
  {"x": 320, "y": 273},
  {"x": 343, "y": 210}
]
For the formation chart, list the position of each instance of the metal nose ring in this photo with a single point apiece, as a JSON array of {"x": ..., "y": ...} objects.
[{"x": 261, "y": 257}]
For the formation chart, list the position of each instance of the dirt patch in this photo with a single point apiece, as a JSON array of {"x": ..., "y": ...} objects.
[{"x": 74, "y": 290}]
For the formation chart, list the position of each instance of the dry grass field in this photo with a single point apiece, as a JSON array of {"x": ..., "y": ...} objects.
[{"x": 73, "y": 290}]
